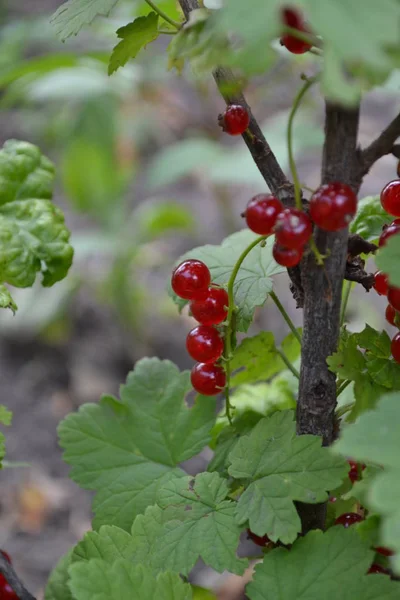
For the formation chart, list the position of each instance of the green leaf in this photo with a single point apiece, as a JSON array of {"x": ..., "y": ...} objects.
[
  {"x": 127, "y": 449},
  {"x": 6, "y": 300},
  {"x": 321, "y": 565},
  {"x": 253, "y": 282},
  {"x": 57, "y": 586},
  {"x": 134, "y": 37},
  {"x": 370, "y": 218},
  {"x": 33, "y": 235},
  {"x": 5, "y": 415},
  {"x": 100, "y": 580},
  {"x": 197, "y": 522},
  {"x": 375, "y": 438},
  {"x": 348, "y": 362},
  {"x": 258, "y": 359},
  {"x": 387, "y": 259},
  {"x": 157, "y": 219},
  {"x": 281, "y": 468},
  {"x": 109, "y": 543},
  {"x": 73, "y": 15},
  {"x": 200, "y": 593}
]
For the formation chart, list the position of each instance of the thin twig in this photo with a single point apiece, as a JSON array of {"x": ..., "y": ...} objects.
[
  {"x": 287, "y": 362},
  {"x": 284, "y": 314},
  {"x": 381, "y": 146},
  {"x": 163, "y": 15},
  {"x": 6, "y": 569}
]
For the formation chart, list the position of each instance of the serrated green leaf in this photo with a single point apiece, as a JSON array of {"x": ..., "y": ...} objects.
[
  {"x": 121, "y": 580},
  {"x": 127, "y": 449},
  {"x": 6, "y": 300},
  {"x": 109, "y": 544},
  {"x": 197, "y": 522},
  {"x": 57, "y": 586},
  {"x": 281, "y": 468},
  {"x": 253, "y": 282},
  {"x": 73, "y": 15},
  {"x": 387, "y": 259},
  {"x": 348, "y": 362},
  {"x": 321, "y": 565},
  {"x": 134, "y": 37},
  {"x": 5, "y": 415},
  {"x": 370, "y": 218}
]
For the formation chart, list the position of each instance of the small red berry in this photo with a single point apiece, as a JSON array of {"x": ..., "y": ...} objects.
[
  {"x": 204, "y": 344},
  {"x": 332, "y": 499},
  {"x": 390, "y": 315},
  {"x": 348, "y": 519},
  {"x": 353, "y": 471},
  {"x": 292, "y": 18},
  {"x": 375, "y": 568},
  {"x": 190, "y": 279},
  {"x": 390, "y": 230},
  {"x": 235, "y": 120},
  {"x": 394, "y": 297},
  {"x": 333, "y": 206},
  {"x": 287, "y": 257},
  {"x": 260, "y": 541},
  {"x": 261, "y": 213},
  {"x": 390, "y": 198},
  {"x": 395, "y": 347},
  {"x": 293, "y": 228},
  {"x": 213, "y": 309},
  {"x": 208, "y": 379},
  {"x": 381, "y": 283},
  {"x": 384, "y": 551}
]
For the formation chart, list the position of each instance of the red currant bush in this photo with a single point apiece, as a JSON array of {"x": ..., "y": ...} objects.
[
  {"x": 348, "y": 519},
  {"x": 381, "y": 283},
  {"x": 293, "y": 228},
  {"x": 208, "y": 379},
  {"x": 262, "y": 541},
  {"x": 261, "y": 213},
  {"x": 390, "y": 198},
  {"x": 213, "y": 309},
  {"x": 287, "y": 257},
  {"x": 190, "y": 279},
  {"x": 353, "y": 471},
  {"x": 392, "y": 229},
  {"x": 235, "y": 120},
  {"x": 395, "y": 347},
  {"x": 292, "y": 18},
  {"x": 390, "y": 315},
  {"x": 204, "y": 344},
  {"x": 394, "y": 297},
  {"x": 333, "y": 206}
]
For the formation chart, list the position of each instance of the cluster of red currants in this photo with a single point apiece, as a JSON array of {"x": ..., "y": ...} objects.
[
  {"x": 6, "y": 591},
  {"x": 390, "y": 200},
  {"x": 191, "y": 280}
]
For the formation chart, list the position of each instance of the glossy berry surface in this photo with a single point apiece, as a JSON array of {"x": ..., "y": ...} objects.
[
  {"x": 333, "y": 206},
  {"x": 353, "y": 471},
  {"x": 348, "y": 519},
  {"x": 190, "y": 279},
  {"x": 395, "y": 347},
  {"x": 384, "y": 551},
  {"x": 375, "y": 568},
  {"x": 390, "y": 315},
  {"x": 261, "y": 213},
  {"x": 392, "y": 229},
  {"x": 213, "y": 309},
  {"x": 293, "y": 228},
  {"x": 286, "y": 257},
  {"x": 204, "y": 344},
  {"x": 235, "y": 119},
  {"x": 292, "y": 18},
  {"x": 208, "y": 379},
  {"x": 390, "y": 198},
  {"x": 6, "y": 591},
  {"x": 394, "y": 297},
  {"x": 381, "y": 283},
  {"x": 259, "y": 540}
]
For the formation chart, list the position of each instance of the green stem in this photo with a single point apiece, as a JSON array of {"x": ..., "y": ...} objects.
[
  {"x": 344, "y": 409},
  {"x": 346, "y": 296},
  {"x": 284, "y": 314},
  {"x": 288, "y": 363},
  {"x": 166, "y": 31},
  {"x": 342, "y": 387},
  {"x": 163, "y": 15}
]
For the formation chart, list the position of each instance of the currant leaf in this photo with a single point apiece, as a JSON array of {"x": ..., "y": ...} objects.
[
  {"x": 370, "y": 218},
  {"x": 127, "y": 449},
  {"x": 57, "y": 586},
  {"x": 73, "y": 15},
  {"x": 109, "y": 544},
  {"x": 6, "y": 300},
  {"x": 387, "y": 259},
  {"x": 134, "y": 37}
]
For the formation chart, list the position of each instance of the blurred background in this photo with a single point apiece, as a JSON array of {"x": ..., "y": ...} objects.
[{"x": 143, "y": 174}]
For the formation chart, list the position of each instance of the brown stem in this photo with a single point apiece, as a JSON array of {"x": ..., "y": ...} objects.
[
  {"x": 13, "y": 580},
  {"x": 382, "y": 145}
]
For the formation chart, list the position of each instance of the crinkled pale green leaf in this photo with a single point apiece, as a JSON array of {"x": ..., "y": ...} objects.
[
  {"x": 134, "y": 37},
  {"x": 127, "y": 449},
  {"x": 5, "y": 415},
  {"x": 57, "y": 586},
  {"x": 109, "y": 544},
  {"x": 375, "y": 438},
  {"x": 370, "y": 218},
  {"x": 73, "y": 15},
  {"x": 193, "y": 520},
  {"x": 321, "y": 565},
  {"x": 253, "y": 282},
  {"x": 99, "y": 580},
  {"x": 6, "y": 300},
  {"x": 387, "y": 259},
  {"x": 281, "y": 468}
]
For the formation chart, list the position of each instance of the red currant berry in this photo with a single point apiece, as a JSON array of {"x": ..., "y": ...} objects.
[
  {"x": 213, "y": 309},
  {"x": 394, "y": 297},
  {"x": 375, "y": 568},
  {"x": 235, "y": 119},
  {"x": 208, "y": 379},
  {"x": 353, "y": 472},
  {"x": 292, "y": 18},
  {"x": 204, "y": 344},
  {"x": 6, "y": 556},
  {"x": 348, "y": 519},
  {"x": 395, "y": 347},
  {"x": 287, "y": 257},
  {"x": 332, "y": 499},
  {"x": 261, "y": 213},
  {"x": 384, "y": 551},
  {"x": 190, "y": 279},
  {"x": 388, "y": 232},
  {"x": 333, "y": 206},
  {"x": 390, "y": 198},
  {"x": 381, "y": 283},
  {"x": 390, "y": 315},
  {"x": 293, "y": 228},
  {"x": 260, "y": 541}
]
